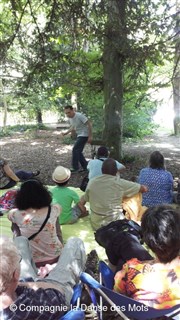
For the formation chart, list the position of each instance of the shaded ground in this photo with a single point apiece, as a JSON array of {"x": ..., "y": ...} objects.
[{"x": 44, "y": 150}]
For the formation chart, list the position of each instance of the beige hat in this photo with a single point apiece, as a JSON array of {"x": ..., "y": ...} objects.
[{"x": 61, "y": 174}]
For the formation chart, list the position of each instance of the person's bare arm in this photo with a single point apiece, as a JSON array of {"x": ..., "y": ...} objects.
[
  {"x": 82, "y": 207},
  {"x": 64, "y": 133},
  {"x": 82, "y": 201},
  {"x": 143, "y": 189},
  {"x": 122, "y": 169},
  {"x": 9, "y": 172}
]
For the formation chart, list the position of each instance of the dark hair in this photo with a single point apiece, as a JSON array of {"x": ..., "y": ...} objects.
[
  {"x": 156, "y": 160},
  {"x": 32, "y": 194},
  {"x": 68, "y": 107},
  {"x": 62, "y": 184},
  {"x": 102, "y": 152},
  {"x": 161, "y": 232},
  {"x": 109, "y": 167}
]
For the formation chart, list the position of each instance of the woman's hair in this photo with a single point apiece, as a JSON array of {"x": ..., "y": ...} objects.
[
  {"x": 156, "y": 160},
  {"x": 10, "y": 259},
  {"x": 32, "y": 194},
  {"x": 161, "y": 232}
]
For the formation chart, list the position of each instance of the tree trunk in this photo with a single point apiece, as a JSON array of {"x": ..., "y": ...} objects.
[
  {"x": 4, "y": 104},
  {"x": 176, "y": 77},
  {"x": 113, "y": 78},
  {"x": 39, "y": 116}
]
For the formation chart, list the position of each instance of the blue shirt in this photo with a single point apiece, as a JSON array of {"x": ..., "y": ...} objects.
[
  {"x": 160, "y": 186},
  {"x": 95, "y": 167}
]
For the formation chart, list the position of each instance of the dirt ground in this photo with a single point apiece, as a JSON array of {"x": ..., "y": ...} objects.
[{"x": 44, "y": 150}]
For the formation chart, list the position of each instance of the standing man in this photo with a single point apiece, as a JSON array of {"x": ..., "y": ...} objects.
[{"x": 83, "y": 128}]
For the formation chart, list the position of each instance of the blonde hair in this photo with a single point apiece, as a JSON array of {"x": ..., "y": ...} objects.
[{"x": 9, "y": 262}]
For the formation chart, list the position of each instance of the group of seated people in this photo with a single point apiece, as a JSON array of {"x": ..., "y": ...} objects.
[
  {"x": 108, "y": 196},
  {"x": 155, "y": 282}
]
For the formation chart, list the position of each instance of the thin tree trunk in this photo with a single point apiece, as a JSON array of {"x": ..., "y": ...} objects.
[
  {"x": 176, "y": 77},
  {"x": 4, "y": 104}
]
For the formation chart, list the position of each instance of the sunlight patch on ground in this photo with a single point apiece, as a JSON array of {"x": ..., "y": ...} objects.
[
  {"x": 34, "y": 143},
  {"x": 65, "y": 150}
]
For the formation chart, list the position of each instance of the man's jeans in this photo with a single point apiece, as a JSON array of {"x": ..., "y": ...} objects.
[
  {"x": 22, "y": 175},
  {"x": 77, "y": 155}
]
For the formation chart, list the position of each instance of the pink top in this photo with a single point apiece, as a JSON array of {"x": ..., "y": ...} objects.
[{"x": 46, "y": 245}]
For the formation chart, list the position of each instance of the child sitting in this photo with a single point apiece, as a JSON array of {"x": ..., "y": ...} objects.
[{"x": 65, "y": 196}]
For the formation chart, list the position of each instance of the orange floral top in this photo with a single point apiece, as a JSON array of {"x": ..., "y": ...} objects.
[
  {"x": 46, "y": 245},
  {"x": 150, "y": 282}
]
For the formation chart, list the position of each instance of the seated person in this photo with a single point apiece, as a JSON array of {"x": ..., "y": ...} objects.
[
  {"x": 105, "y": 194},
  {"x": 8, "y": 178},
  {"x": 39, "y": 299},
  {"x": 65, "y": 197},
  {"x": 95, "y": 165},
  {"x": 158, "y": 180},
  {"x": 33, "y": 201},
  {"x": 157, "y": 282}
]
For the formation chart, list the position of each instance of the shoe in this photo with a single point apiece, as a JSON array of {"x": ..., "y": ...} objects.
[
  {"x": 36, "y": 173},
  {"x": 73, "y": 170},
  {"x": 92, "y": 264}
]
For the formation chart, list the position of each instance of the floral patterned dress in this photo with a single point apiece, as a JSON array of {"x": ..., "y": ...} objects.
[
  {"x": 45, "y": 246},
  {"x": 153, "y": 283}
]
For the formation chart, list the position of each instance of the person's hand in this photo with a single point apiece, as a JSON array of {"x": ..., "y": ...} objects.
[{"x": 144, "y": 188}]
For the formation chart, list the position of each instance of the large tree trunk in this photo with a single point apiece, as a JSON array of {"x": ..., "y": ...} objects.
[
  {"x": 176, "y": 78},
  {"x": 113, "y": 77}
]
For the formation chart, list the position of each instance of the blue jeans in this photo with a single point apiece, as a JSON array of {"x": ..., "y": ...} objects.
[
  {"x": 22, "y": 175},
  {"x": 77, "y": 155}
]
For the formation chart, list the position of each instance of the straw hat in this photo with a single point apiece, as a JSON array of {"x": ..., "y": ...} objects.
[{"x": 61, "y": 174}]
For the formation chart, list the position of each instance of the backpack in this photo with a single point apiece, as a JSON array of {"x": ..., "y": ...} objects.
[{"x": 104, "y": 236}]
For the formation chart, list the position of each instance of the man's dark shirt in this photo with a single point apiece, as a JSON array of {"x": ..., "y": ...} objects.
[{"x": 35, "y": 305}]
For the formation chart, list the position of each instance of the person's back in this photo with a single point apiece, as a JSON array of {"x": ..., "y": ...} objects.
[
  {"x": 66, "y": 197},
  {"x": 105, "y": 193},
  {"x": 155, "y": 282},
  {"x": 33, "y": 203},
  {"x": 158, "y": 180}
]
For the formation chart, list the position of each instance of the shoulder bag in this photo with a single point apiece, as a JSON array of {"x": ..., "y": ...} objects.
[{"x": 42, "y": 226}]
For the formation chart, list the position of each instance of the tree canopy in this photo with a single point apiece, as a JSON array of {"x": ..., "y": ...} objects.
[{"x": 106, "y": 52}]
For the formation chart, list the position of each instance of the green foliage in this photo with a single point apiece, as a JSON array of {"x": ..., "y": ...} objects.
[
  {"x": 10, "y": 130},
  {"x": 52, "y": 49}
]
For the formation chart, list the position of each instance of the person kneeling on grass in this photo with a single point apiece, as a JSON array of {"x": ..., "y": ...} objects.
[{"x": 65, "y": 196}]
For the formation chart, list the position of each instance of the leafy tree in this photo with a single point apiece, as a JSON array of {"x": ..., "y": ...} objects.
[{"x": 87, "y": 47}]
